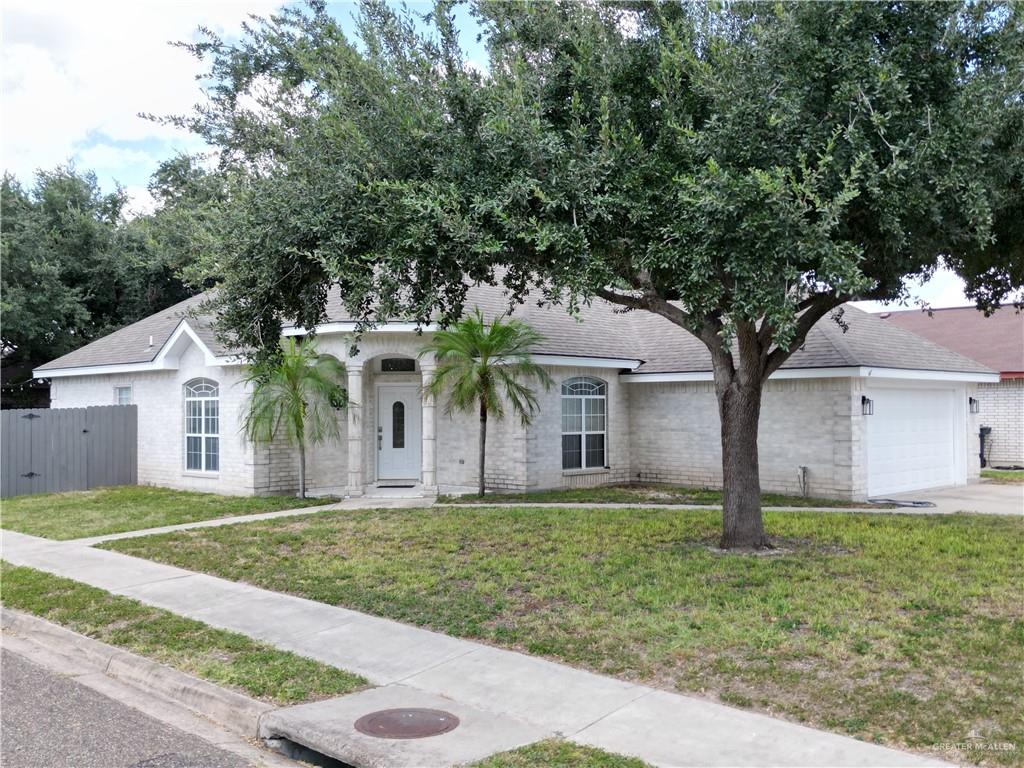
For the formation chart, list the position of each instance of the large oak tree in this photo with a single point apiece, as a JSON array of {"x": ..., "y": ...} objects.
[
  {"x": 74, "y": 265},
  {"x": 739, "y": 169}
]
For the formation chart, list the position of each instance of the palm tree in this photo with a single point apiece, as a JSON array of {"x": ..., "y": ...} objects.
[
  {"x": 478, "y": 363},
  {"x": 297, "y": 395}
]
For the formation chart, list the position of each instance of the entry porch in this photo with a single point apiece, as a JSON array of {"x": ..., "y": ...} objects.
[
  {"x": 387, "y": 439},
  {"x": 391, "y": 429}
]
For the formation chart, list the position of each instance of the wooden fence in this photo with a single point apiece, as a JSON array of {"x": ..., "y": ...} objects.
[{"x": 67, "y": 449}]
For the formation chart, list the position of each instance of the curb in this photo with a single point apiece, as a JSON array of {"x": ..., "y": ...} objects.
[{"x": 235, "y": 711}]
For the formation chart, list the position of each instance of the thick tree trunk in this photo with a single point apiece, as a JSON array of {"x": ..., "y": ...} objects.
[
  {"x": 738, "y": 385},
  {"x": 302, "y": 468},
  {"x": 740, "y": 411},
  {"x": 483, "y": 445}
]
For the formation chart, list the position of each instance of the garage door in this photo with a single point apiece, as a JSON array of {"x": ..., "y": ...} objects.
[{"x": 911, "y": 440}]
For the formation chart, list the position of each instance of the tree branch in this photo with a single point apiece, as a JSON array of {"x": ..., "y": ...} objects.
[
  {"x": 650, "y": 300},
  {"x": 708, "y": 331},
  {"x": 625, "y": 299},
  {"x": 817, "y": 307}
]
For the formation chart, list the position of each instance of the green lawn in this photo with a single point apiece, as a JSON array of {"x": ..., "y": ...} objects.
[
  {"x": 553, "y": 753},
  {"x": 78, "y": 514},
  {"x": 645, "y": 494},
  {"x": 905, "y": 630},
  {"x": 1007, "y": 476},
  {"x": 225, "y": 658}
]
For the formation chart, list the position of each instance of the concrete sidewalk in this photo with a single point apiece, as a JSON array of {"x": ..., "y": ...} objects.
[
  {"x": 216, "y": 522},
  {"x": 542, "y": 697},
  {"x": 370, "y": 502}
]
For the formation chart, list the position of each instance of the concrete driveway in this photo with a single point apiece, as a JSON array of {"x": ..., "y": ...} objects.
[{"x": 984, "y": 498}]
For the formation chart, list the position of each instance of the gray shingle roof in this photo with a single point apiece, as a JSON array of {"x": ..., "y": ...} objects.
[
  {"x": 131, "y": 343},
  {"x": 600, "y": 330},
  {"x": 869, "y": 341}
]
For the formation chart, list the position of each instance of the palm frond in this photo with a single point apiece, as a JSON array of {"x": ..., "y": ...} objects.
[
  {"x": 486, "y": 362},
  {"x": 296, "y": 397}
]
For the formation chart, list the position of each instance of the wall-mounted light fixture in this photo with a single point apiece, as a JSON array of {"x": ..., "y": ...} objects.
[
  {"x": 867, "y": 405},
  {"x": 974, "y": 405}
]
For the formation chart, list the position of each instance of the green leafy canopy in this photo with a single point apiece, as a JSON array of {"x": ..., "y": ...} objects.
[
  {"x": 740, "y": 169},
  {"x": 75, "y": 266}
]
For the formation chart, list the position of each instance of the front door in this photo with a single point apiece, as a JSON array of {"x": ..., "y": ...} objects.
[{"x": 398, "y": 432}]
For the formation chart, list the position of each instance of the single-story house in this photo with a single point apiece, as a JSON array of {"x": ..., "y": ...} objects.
[
  {"x": 997, "y": 342},
  {"x": 872, "y": 411}
]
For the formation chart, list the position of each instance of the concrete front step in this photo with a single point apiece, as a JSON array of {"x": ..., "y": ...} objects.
[{"x": 396, "y": 490}]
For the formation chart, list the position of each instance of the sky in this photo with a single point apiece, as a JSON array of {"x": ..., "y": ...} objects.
[{"x": 75, "y": 74}]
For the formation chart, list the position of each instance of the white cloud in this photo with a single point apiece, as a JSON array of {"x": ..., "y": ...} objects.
[
  {"x": 76, "y": 75},
  {"x": 944, "y": 289},
  {"x": 141, "y": 202},
  {"x": 109, "y": 156}
]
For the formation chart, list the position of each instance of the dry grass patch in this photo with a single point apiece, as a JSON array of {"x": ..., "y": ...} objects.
[
  {"x": 646, "y": 494},
  {"x": 1004, "y": 476},
  {"x": 554, "y": 753}
]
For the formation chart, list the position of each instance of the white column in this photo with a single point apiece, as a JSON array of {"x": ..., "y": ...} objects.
[
  {"x": 429, "y": 429},
  {"x": 356, "y": 483}
]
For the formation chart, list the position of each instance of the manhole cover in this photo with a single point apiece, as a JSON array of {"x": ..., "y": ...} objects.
[{"x": 406, "y": 723}]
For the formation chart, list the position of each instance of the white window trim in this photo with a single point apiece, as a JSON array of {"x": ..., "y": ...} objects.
[
  {"x": 584, "y": 467},
  {"x": 131, "y": 394},
  {"x": 187, "y": 398}
]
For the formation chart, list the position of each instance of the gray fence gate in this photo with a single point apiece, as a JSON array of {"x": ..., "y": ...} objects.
[{"x": 67, "y": 449}]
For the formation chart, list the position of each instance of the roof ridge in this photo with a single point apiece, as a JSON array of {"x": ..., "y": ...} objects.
[{"x": 920, "y": 310}]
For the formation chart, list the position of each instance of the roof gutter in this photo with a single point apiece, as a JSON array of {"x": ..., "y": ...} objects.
[
  {"x": 853, "y": 371},
  {"x": 351, "y": 326},
  {"x": 581, "y": 361}
]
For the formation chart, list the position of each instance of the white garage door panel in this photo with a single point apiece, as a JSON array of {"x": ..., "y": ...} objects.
[{"x": 911, "y": 440}]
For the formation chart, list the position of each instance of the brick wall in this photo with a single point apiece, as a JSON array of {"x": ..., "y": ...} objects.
[
  {"x": 159, "y": 396},
  {"x": 675, "y": 435},
  {"x": 1002, "y": 408},
  {"x": 458, "y": 443}
]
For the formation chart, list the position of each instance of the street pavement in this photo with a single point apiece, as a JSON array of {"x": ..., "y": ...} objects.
[{"x": 50, "y": 721}]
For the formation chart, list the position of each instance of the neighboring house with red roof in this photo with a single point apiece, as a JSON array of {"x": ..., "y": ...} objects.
[
  {"x": 872, "y": 411},
  {"x": 997, "y": 342}
]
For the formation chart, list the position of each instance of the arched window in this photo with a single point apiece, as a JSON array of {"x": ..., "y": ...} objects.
[
  {"x": 584, "y": 422},
  {"x": 202, "y": 426}
]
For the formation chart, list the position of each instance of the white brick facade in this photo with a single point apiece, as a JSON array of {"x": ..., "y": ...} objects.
[
  {"x": 159, "y": 397},
  {"x": 809, "y": 422},
  {"x": 1002, "y": 408},
  {"x": 656, "y": 432},
  {"x": 544, "y": 435}
]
